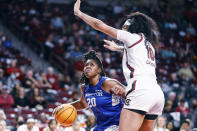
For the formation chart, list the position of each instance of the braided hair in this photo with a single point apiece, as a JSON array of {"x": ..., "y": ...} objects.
[{"x": 93, "y": 56}]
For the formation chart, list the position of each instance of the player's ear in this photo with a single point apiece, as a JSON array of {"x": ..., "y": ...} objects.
[{"x": 99, "y": 70}]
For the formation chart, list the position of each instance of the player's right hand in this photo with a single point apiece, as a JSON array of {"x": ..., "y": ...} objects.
[{"x": 77, "y": 7}]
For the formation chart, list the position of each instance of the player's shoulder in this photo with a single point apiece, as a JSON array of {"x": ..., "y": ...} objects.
[{"x": 124, "y": 32}]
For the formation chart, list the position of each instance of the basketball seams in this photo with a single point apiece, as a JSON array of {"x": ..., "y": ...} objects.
[
  {"x": 68, "y": 116},
  {"x": 62, "y": 112},
  {"x": 64, "y": 115}
]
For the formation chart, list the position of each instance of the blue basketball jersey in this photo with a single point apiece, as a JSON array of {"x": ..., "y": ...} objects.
[{"x": 105, "y": 106}]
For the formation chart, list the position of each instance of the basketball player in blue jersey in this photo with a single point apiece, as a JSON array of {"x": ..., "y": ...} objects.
[
  {"x": 101, "y": 94},
  {"x": 144, "y": 97}
]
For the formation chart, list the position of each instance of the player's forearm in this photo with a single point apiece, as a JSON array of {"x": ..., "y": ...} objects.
[
  {"x": 93, "y": 22},
  {"x": 78, "y": 105}
]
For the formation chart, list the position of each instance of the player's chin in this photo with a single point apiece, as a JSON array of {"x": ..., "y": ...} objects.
[{"x": 87, "y": 74}]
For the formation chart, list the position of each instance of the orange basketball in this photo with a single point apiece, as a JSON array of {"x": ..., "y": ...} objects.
[{"x": 65, "y": 114}]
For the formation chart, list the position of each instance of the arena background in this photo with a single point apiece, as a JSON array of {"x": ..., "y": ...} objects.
[{"x": 41, "y": 44}]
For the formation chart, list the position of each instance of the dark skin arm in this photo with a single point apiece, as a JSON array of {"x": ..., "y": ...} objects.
[
  {"x": 81, "y": 103},
  {"x": 114, "y": 86}
]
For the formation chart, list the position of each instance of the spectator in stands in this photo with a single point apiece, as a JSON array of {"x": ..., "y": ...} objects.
[
  {"x": 107, "y": 59},
  {"x": 37, "y": 100},
  {"x": 12, "y": 81},
  {"x": 59, "y": 48},
  {"x": 90, "y": 122},
  {"x": 66, "y": 84},
  {"x": 19, "y": 122},
  {"x": 29, "y": 126},
  {"x": 168, "y": 53},
  {"x": 170, "y": 126},
  {"x": 171, "y": 97},
  {"x": 182, "y": 108},
  {"x": 76, "y": 53},
  {"x": 52, "y": 126},
  {"x": 161, "y": 124},
  {"x": 168, "y": 106},
  {"x": 75, "y": 127},
  {"x": 42, "y": 122},
  {"x": 113, "y": 74},
  {"x": 3, "y": 125},
  {"x": 43, "y": 82},
  {"x": 186, "y": 70},
  {"x": 1, "y": 85},
  {"x": 57, "y": 22},
  {"x": 29, "y": 81},
  {"x": 75, "y": 96},
  {"x": 13, "y": 68},
  {"x": 2, "y": 77},
  {"x": 60, "y": 79},
  {"x": 185, "y": 126},
  {"x": 2, "y": 114},
  {"x": 37, "y": 29},
  {"x": 174, "y": 82},
  {"x": 22, "y": 73},
  {"x": 52, "y": 78},
  {"x": 194, "y": 113},
  {"x": 191, "y": 29},
  {"x": 189, "y": 39},
  {"x": 6, "y": 99},
  {"x": 21, "y": 101},
  {"x": 6, "y": 41},
  {"x": 49, "y": 45}
]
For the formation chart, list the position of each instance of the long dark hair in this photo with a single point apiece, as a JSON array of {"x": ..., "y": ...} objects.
[
  {"x": 93, "y": 56},
  {"x": 141, "y": 23}
]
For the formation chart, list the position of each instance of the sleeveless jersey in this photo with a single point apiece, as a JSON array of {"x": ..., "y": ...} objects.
[
  {"x": 139, "y": 56},
  {"x": 105, "y": 106}
]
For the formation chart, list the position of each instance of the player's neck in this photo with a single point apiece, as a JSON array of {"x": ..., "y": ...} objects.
[{"x": 93, "y": 81}]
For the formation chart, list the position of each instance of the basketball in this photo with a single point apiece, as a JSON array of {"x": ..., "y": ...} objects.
[{"x": 65, "y": 114}]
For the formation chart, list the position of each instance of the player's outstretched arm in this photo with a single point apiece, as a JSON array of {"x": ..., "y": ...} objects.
[
  {"x": 111, "y": 45},
  {"x": 93, "y": 22},
  {"x": 80, "y": 104}
]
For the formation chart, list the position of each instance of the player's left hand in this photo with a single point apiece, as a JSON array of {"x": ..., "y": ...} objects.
[
  {"x": 111, "y": 45},
  {"x": 77, "y": 7}
]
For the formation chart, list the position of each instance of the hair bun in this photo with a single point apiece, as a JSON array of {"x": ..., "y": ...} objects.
[
  {"x": 90, "y": 55},
  {"x": 92, "y": 52}
]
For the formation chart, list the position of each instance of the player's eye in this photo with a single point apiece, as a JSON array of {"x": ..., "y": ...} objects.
[{"x": 92, "y": 64}]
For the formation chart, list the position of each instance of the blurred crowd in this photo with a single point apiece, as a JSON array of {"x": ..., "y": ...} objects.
[{"x": 54, "y": 28}]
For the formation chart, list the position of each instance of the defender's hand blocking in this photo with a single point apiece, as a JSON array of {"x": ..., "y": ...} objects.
[
  {"x": 77, "y": 7},
  {"x": 111, "y": 45}
]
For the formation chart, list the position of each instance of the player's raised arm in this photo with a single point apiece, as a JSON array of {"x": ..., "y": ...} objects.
[{"x": 93, "y": 22}]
